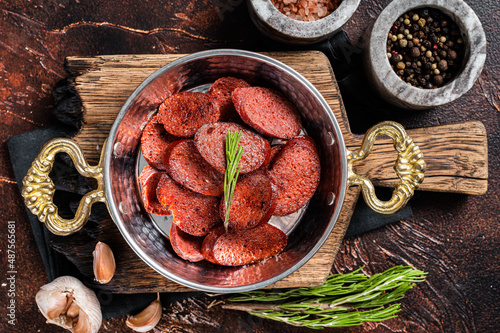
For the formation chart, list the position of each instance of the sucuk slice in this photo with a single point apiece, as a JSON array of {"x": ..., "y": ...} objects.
[
  {"x": 268, "y": 112},
  {"x": 194, "y": 213},
  {"x": 154, "y": 141},
  {"x": 275, "y": 150},
  {"x": 296, "y": 173},
  {"x": 187, "y": 167},
  {"x": 221, "y": 91},
  {"x": 207, "y": 248},
  {"x": 252, "y": 202},
  {"x": 210, "y": 140},
  {"x": 149, "y": 179},
  {"x": 188, "y": 247},
  {"x": 249, "y": 246},
  {"x": 183, "y": 113}
]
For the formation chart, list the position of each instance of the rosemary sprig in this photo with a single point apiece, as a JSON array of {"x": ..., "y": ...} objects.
[
  {"x": 343, "y": 300},
  {"x": 233, "y": 156}
]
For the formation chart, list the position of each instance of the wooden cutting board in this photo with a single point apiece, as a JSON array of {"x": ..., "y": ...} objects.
[{"x": 456, "y": 157}]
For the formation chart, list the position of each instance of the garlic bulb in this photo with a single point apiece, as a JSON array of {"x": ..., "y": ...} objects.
[
  {"x": 147, "y": 319},
  {"x": 66, "y": 302}
]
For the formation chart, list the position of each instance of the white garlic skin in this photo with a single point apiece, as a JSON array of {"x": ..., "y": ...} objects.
[{"x": 51, "y": 294}]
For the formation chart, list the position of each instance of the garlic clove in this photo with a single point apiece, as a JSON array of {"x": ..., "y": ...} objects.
[
  {"x": 52, "y": 306},
  {"x": 83, "y": 323},
  {"x": 104, "y": 263},
  {"x": 147, "y": 319},
  {"x": 71, "y": 292},
  {"x": 73, "y": 311}
]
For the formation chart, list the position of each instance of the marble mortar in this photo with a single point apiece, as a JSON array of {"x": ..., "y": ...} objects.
[
  {"x": 271, "y": 22},
  {"x": 398, "y": 92}
]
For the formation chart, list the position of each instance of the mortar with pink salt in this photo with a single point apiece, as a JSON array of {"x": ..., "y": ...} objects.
[{"x": 301, "y": 21}]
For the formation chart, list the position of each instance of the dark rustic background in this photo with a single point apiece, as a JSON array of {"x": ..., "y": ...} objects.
[{"x": 453, "y": 237}]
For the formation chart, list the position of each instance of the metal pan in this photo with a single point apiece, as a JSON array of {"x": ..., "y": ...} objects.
[{"x": 118, "y": 169}]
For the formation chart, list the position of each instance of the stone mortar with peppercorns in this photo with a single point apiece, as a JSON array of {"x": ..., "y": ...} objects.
[{"x": 422, "y": 53}]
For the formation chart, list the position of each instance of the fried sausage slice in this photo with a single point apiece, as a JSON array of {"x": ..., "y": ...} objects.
[
  {"x": 149, "y": 179},
  {"x": 275, "y": 150},
  {"x": 182, "y": 114},
  {"x": 154, "y": 141},
  {"x": 249, "y": 246},
  {"x": 296, "y": 174},
  {"x": 210, "y": 140},
  {"x": 187, "y": 167},
  {"x": 188, "y": 247},
  {"x": 252, "y": 202},
  {"x": 194, "y": 213},
  {"x": 220, "y": 91},
  {"x": 207, "y": 248},
  {"x": 267, "y": 111}
]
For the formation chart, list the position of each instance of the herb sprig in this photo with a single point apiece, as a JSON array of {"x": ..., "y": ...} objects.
[
  {"x": 343, "y": 300},
  {"x": 233, "y": 156}
]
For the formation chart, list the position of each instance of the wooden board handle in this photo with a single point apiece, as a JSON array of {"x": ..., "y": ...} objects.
[{"x": 456, "y": 157}]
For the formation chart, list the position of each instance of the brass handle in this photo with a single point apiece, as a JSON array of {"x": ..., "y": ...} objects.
[
  {"x": 409, "y": 167},
  {"x": 38, "y": 189}
]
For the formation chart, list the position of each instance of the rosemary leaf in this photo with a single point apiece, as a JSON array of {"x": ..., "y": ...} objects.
[
  {"x": 233, "y": 156},
  {"x": 343, "y": 300}
]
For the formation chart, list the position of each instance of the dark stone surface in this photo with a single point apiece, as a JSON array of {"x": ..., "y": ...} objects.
[{"x": 453, "y": 237}]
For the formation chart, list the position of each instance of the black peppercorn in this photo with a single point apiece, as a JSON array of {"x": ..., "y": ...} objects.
[
  {"x": 442, "y": 65},
  {"x": 452, "y": 55},
  {"x": 438, "y": 80}
]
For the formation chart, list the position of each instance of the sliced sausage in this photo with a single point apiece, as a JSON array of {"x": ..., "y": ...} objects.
[
  {"x": 207, "y": 248},
  {"x": 267, "y": 111},
  {"x": 252, "y": 202},
  {"x": 183, "y": 113},
  {"x": 188, "y": 247},
  {"x": 221, "y": 91},
  {"x": 296, "y": 174},
  {"x": 249, "y": 246},
  {"x": 187, "y": 167},
  {"x": 210, "y": 140},
  {"x": 154, "y": 141},
  {"x": 275, "y": 150},
  {"x": 194, "y": 213},
  {"x": 149, "y": 179}
]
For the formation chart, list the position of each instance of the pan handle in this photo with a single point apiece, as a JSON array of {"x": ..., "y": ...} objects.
[
  {"x": 409, "y": 167},
  {"x": 38, "y": 189}
]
